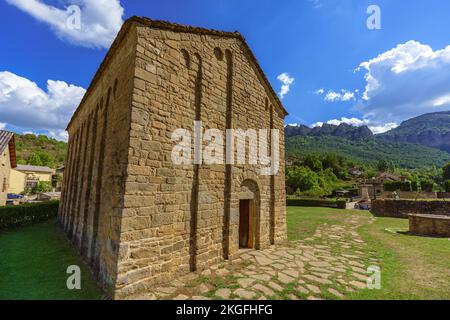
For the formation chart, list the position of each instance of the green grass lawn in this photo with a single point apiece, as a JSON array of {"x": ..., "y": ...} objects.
[
  {"x": 33, "y": 265},
  {"x": 34, "y": 259},
  {"x": 412, "y": 267},
  {"x": 303, "y": 221}
]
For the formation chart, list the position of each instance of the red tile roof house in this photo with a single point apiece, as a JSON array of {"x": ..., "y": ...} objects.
[{"x": 7, "y": 162}]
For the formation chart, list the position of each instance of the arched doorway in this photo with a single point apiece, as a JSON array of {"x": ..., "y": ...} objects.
[{"x": 249, "y": 215}]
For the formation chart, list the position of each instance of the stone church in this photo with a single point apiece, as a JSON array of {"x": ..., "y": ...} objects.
[{"x": 137, "y": 218}]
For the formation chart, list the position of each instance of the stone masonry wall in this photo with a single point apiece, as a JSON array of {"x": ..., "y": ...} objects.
[
  {"x": 411, "y": 195},
  {"x": 429, "y": 225},
  {"x": 178, "y": 219},
  {"x": 139, "y": 219},
  {"x": 5, "y": 169},
  {"x": 401, "y": 208},
  {"x": 93, "y": 187}
]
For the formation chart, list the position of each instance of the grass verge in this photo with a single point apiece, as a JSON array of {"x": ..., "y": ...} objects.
[{"x": 33, "y": 265}]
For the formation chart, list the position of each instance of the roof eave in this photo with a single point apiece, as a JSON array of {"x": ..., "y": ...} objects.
[{"x": 164, "y": 25}]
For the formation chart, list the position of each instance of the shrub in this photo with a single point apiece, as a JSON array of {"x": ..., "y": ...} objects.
[
  {"x": 406, "y": 186},
  {"x": 447, "y": 185},
  {"x": 446, "y": 173},
  {"x": 11, "y": 216},
  {"x": 42, "y": 186},
  {"x": 398, "y": 186},
  {"x": 427, "y": 186},
  {"x": 302, "y": 178},
  {"x": 339, "y": 204},
  {"x": 392, "y": 186}
]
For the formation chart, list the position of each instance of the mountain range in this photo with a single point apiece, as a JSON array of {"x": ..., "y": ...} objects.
[
  {"x": 430, "y": 130},
  {"x": 417, "y": 142}
]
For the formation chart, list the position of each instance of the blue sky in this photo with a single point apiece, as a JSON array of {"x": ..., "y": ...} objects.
[{"x": 318, "y": 43}]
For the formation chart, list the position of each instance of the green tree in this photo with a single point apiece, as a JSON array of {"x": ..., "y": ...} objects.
[
  {"x": 34, "y": 159},
  {"x": 446, "y": 173},
  {"x": 447, "y": 185},
  {"x": 42, "y": 186},
  {"x": 382, "y": 165},
  {"x": 427, "y": 185},
  {"x": 46, "y": 159},
  {"x": 314, "y": 163},
  {"x": 302, "y": 178}
]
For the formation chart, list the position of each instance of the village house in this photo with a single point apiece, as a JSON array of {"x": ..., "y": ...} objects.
[
  {"x": 140, "y": 219},
  {"x": 26, "y": 177},
  {"x": 58, "y": 178},
  {"x": 372, "y": 188},
  {"x": 7, "y": 161}
]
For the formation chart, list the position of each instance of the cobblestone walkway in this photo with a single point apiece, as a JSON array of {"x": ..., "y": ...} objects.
[{"x": 329, "y": 265}]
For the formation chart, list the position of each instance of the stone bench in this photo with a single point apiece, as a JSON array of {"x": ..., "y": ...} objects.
[{"x": 429, "y": 225}]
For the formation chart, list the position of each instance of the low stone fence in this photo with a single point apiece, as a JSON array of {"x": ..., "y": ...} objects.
[
  {"x": 429, "y": 225},
  {"x": 443, "y": 195},
  {"x": 416, "y": 195},
  {"x": 402, "y": 208},
  {"x": 409, "y": 195}
]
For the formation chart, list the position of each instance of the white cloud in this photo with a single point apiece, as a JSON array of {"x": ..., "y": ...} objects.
[
  {"x": 383, "y": 127},
  {"x": 320, "y": 91},
  {"x": 406, "y": 81},
  {"x": 2, "y": 125},
  {"x": 61, "y": 135},
  {"x": 374, "y": 127},
  {"x": 100, "y": 20},
  {"x": 344, "y": 95},
  {"x": 352, "y": 121},
  {"x": 286, "y": 81},
  {"x": 333, "y": 96},
  {"x": 23, "y": 104}
]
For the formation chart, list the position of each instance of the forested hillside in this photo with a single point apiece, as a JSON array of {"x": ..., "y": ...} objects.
[
  {"x": 368, "y": 151},
  {"x": 431, "y": 130},
  {"x": 40, "y": 150}
]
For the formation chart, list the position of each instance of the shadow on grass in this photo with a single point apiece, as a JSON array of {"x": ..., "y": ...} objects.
[{"x": 34, "y": 262}]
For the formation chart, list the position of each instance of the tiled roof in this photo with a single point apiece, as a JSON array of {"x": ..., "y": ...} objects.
[
  {"x": 22, "y": 167},
  {"x": 5, "y": 137},
  {"x": 165, "y": 25},
  {"x": 7, "y": 140}
]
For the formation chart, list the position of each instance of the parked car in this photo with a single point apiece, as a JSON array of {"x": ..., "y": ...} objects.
[
  {"x": 363, "y": 205},
  {"x": 13, "y": 196}
]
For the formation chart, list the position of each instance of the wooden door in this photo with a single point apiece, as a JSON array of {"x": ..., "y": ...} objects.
[{"x": 244, "y": 223}]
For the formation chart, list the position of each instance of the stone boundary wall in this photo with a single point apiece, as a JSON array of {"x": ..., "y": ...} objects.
[
  {"x": 416, "y": 195},
  {"x": 443, "y": 195},
  {"x": 402, "y": 208},
  {"x": 429, "y": 225},
  {"x": 410, "y": 195}
]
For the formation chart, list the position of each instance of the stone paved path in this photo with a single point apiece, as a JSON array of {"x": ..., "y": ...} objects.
[{"x": 329, "y": 265}]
